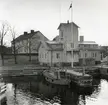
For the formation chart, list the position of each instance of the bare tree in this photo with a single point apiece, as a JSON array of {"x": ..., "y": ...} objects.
[
  {"x": 13, "y": 34},
  {"x": 3, "y": 32},
  {"x": 29, "y": 46}
]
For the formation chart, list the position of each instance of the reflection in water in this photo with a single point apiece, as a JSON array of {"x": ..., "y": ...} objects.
[{"x": 36, "y": 91}]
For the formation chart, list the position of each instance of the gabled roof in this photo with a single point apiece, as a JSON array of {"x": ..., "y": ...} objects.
[
  {"x": 27, "y": 36},
  {"x": 64, "y": 24},
  {"x": 55, "y": 45},
  {"x": 52, "y": 45}
]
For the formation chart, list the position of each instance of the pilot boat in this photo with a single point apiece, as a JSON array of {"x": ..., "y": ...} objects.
[{"x": 57, "y": 77}]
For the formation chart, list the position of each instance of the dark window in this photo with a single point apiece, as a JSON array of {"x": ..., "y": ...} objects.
[
  {"x": 57, "y": 55},
  {"x": 92, "y": 54},
  {"x": 95, "y": 54},
  {"x": 45, "y": 55},
  {"x": 72, "y": 45},
  {"x": 107, "y": 70},
  {"x": 61, "y": 34},
  {"x": 85, "y": 55}
]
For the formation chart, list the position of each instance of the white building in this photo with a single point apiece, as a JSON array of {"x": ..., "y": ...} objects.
[
  {"x": 50, "y": 53},
  {"x": 64, "y": 49},
  {"x": 90, "y": 52},
  {"x": 29, "y": 42}
]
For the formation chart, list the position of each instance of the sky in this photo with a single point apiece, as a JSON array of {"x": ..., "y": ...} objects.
[{"x": 46, "y": 15}]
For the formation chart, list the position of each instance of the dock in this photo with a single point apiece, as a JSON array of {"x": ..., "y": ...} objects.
[{"x": 21, "y": 70}]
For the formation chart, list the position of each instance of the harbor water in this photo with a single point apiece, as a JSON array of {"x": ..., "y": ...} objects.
[{"x": 34, "y": 90}]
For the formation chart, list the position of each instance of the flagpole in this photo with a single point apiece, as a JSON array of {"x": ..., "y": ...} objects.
[{"x": 72, "y": 33}]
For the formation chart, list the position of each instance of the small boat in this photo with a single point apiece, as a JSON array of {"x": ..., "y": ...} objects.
[
  {"x": 83, "y": 80},
  {"x": 57, "y": 77},
  {"x": 2, "y": 90}
]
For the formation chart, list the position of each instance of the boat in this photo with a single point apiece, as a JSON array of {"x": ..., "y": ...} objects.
[
  {"x": 83, "y": 80},
  {"x": 2, "y": 90},
  {"x": 57, "y": 77}
]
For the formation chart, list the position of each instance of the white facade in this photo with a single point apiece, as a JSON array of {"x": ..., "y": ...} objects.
[
  {"x": 68, "y": 35},
  {"x": 48, "y": 56},
  {"x": 29, "y": 42},
  {"x": 68, "y": 46},
  {"x": 89, "y": 50}
]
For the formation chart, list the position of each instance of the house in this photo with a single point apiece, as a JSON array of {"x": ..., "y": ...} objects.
[
  {"x": 50, "y": 53},
  {"x": 63, "y": 49},
  {"x": 29, "y": 42},
  {"x": 89, "y": 52},
  {"x": 68, "y": 35}
]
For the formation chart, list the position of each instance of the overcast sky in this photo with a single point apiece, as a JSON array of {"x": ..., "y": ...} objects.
[{"x": 46, "y": 15}]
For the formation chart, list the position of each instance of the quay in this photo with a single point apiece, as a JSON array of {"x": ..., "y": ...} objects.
[
  {"x": 31, "y": 69},
  {"x": 21, "y": 70}
]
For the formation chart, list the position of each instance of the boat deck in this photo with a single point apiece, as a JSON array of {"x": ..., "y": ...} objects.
[{"x": 76, "y": 73}]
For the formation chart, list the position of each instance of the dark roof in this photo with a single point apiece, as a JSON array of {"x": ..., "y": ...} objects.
[
  {"x": 52, "y": 45},
  {"x": 27, "y": 36},
  {"x": 23, "y": 37},
  {"x": 64, "y": 24}
]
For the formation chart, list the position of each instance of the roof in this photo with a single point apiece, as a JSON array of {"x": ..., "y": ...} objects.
[
  {"x": 91, "y": 49},
  {"x": 64, "y": 24},
  {"x": 52, "y": 45},
  {"x": 87, "y": 42},
  {"x": 27, "y": 36},
  {"x": 53, "y": 42},
  {"x": 55, "y": 38},
  {"x": 55, "y": 45},
  {"x": 76, "y": 73}
]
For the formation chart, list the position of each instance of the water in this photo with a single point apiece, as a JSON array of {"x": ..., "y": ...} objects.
[{"x": 36, "y": 91}]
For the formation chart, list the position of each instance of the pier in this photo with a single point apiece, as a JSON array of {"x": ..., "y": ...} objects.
[{"x": 21, "y": 70}]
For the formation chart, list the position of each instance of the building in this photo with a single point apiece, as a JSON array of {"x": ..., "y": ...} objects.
[
  {"x": 50, "y": 53},
  {"x": 68, "y": 35},
  {"x": 64, "y": 49},
  {"x": 29, "y": 42},
  {"x": 89, "y": 52}
]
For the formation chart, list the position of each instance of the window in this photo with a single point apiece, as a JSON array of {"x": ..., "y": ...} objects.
[
  {"x": 61, "y": 34},
  {"x": 45, "y": 55},
  {"x": 85, "y": 55},
  {"x": 40, "y": 55},
  {"x": 92, "y": 54},
  {"x": 95, "y": 54},
  {"x": 79, "y": 54},
  {"x": 72, "y": 45},
  {"x": 107, "y": 70},
  {"x": 57, "y": 55}
]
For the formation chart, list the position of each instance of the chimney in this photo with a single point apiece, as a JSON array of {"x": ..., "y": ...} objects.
[
  {"x": 81, "y": 38},
  {"x": 25, "y": 33},
  {"x": 67, "y": 21},
  {"x": 32, "y": 31}
]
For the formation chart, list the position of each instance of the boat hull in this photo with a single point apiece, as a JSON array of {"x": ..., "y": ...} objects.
[{"x": 58, "y": 81}]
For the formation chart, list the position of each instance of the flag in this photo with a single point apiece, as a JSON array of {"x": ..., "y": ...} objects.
[{"x": 70, "y": 6}]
